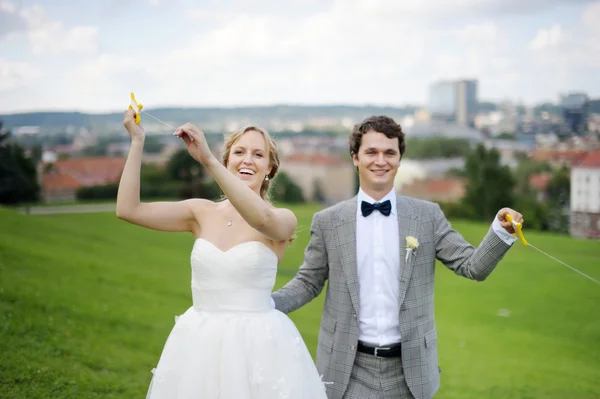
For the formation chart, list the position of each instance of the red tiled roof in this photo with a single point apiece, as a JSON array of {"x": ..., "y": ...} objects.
[
  {"x": 93, "y": 170},
  {"x": 553, "y": 155},
  {"x": 434, "y": 186},
  {"x": 59, "y": 181},
  {"x": 315, "y": 159},
  {"x": 591, "y": 160},
  {"x": 540, "y": 180}
]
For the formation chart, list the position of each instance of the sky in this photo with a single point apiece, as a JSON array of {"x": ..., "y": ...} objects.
[{"x": 59, "y": 55}]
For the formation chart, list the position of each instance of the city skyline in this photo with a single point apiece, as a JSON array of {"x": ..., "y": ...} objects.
[{"x": 60, "y": 56}]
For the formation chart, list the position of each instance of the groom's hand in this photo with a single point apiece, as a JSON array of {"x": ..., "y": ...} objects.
[{"x": 517, "y": 217}]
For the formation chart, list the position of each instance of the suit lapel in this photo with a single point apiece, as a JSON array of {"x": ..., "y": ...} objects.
[
  {"x": 408, "y": 225},
  {"x": 346, "y": 237}
]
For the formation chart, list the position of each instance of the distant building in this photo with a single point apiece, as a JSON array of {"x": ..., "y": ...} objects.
[
  {"x": 334, "y": 176},
  {"x": 61, "y": 179},
  {"x": 575, "y": 111},
  {"x": 26, "y": 131},
  {"x": 466, "y": 102},
  {"x": 436, "y": 190},
  {"x": 422, "y": 115},
  {"x": 454, "y": 101},
  {"x": 594, "y": 123},
  {"x": 59, "y": 187},
  {"x": 442, "y": 101},
  {"x": 540, "y": 181},
  {"x": 558, "y": 158},
  {"x": 437, "y": 128},
  {"x": 585, "y": 197}
]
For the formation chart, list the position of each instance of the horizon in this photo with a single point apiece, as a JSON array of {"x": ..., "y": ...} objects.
[{"x": 242, "y": 106}]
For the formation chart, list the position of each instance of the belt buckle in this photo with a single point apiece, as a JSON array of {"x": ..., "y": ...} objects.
[{"x": 376, "y": 349}]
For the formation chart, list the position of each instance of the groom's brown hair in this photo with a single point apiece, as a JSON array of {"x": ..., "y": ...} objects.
[{"x": 382, "y": 124}]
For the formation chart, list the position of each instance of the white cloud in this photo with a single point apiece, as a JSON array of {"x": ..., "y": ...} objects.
[
  {"x": 548, "y": 37},
  {"x": 10, "y": 20},
  {"x": 443, "y": 13},
  {"x": 239, "y": 52},
  {"x": 49, "y": 36},
  {"x": 7, "y": 6},
  {"x": 591, "y": 19},
  {"x": 570, "y": 53},
  {"x": 105, "y": 82},
  {"x": 482, "y": 32},
  {"x": 330, "y": 56},
  {"x": 197, "y": 14},
  {"x": 34, "y": 15},
  {"x": 15, "y": 75},
  {"x": 587, "y": 52}
]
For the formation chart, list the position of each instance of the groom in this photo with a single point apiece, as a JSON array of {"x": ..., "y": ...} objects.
[{"x": 378, "y": 337}]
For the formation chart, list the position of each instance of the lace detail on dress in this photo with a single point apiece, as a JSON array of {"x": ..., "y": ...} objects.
[
  {"x": 282, "y": 388},
  {"x": 257, "y": 374},
  {"x": 269, "y": 332},
  {"x": 297, "y": 343}
]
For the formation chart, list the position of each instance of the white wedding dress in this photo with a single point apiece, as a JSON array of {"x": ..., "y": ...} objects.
[{"x": 231, "y": 344}]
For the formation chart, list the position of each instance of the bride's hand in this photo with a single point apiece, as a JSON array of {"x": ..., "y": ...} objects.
[
  {"x": 195, "y": 142},
  {"x": 135, "y": 131}
]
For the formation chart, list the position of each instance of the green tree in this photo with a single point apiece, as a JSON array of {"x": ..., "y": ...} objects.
[
  {"x": 506, "y": 136},
  {"x": 436, "y": 147},
  {"x": 526, "y": 168},
  {"x": 36, "y": 153},
  {"x": 535, "y": 212},
  {"x": 153, "y": 145},
  {"x": 181, "y": 166},
  {"x": 489, "y": 184},
  {"x": 558, "y": 192},
  {"x": 285, "y": 190},
  {"x": 318, "y": 195},
  {"x": 558, "y": 189},
  {"x": 155, "y": 183},
  {"x": 18, "y": 174}
]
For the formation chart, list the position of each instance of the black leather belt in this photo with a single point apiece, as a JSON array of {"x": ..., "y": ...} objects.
[{"x": 394, "y": 350}]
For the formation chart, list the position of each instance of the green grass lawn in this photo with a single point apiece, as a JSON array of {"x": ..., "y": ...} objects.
[{"x": 87, "y": 301}]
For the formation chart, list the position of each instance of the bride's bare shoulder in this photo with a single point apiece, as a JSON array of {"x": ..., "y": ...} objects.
[{"x": 201, "y": 205}]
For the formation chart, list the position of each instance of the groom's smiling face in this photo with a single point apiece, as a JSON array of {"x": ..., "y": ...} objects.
[{"x": 377, "y": 161}]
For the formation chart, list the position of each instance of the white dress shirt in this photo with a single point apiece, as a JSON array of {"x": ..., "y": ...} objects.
[
  {"x": 501, "y": 233},
  {"x": 378, "y": 267}
]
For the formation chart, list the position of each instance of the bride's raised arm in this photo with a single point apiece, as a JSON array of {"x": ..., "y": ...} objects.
[
  {"x": 275, "y": 223},
  {"x": 174, "y": 216}
]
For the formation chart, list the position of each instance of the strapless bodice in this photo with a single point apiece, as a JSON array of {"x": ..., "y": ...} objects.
[{"x": 239, "y": 279}]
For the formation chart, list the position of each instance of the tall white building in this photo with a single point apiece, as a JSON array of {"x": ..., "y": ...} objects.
[
  {"x": 466, "y": 102},
  {"x": 585, "y": 196},
  {"x": 454, "y": 101},
  {"x": 442, "y": 101}
]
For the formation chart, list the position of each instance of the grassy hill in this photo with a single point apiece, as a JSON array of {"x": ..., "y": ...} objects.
[{"x": 87, "y": 301}]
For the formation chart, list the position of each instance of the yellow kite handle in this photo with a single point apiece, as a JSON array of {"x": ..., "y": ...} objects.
[
  {"x": 518, "y": 229},
  {"x": 136, "y": 107}
]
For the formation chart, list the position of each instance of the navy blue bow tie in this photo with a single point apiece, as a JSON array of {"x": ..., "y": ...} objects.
[{"x": 384, "y": 207}]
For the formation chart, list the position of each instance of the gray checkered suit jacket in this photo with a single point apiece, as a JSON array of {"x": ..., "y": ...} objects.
[{"x": 331, "y": 255}]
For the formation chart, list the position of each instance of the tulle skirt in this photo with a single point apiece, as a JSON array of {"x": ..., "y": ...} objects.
[{"x": 235, "y": 355}]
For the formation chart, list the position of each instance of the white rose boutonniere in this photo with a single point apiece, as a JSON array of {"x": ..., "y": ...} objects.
[{"x": 411, "y": 246}]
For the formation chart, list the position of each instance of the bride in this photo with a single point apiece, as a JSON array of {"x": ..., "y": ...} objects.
[{"x": 231, "y": 343}]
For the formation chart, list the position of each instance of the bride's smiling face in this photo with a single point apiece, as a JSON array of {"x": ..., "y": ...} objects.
[{"x": 249, "y": 159}]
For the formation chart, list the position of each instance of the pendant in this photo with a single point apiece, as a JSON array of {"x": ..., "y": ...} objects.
[{"x": 229, "y": 223}]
